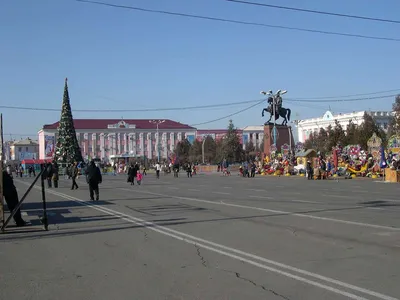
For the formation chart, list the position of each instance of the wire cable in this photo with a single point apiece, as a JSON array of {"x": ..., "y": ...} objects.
[
  {"x": 315, "y": 11},
  {"x": 346, "y": 96},
  {"x": 228, "y": 116},
  {"x": 239, "y": 22},
  {"x": 341, "y": 100},
  {"x": 133, "y": 110},
  {"x": 312, "y": 100}
]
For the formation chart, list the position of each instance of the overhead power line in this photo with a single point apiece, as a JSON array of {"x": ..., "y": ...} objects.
[
  {"x": 341, "y": 100},
  {"x": 228, "y": 116},
  {"x": 238, "y": 22},
  {"x": 316, "y": 100},
  {"x": 201, "y": 106},
  {"x": 346, "y": 96},
  {"x": 134, "y": 110},
  {"x": 316, "y": 11}
]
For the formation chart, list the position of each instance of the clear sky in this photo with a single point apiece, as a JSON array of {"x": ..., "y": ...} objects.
[{"x": 116, "y": 58}]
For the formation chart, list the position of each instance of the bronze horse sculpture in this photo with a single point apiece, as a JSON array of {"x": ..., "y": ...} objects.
[{"x": 279, "y": 112}]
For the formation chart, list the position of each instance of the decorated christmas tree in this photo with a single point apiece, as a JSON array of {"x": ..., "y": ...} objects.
[{"x": 67, "y": 147}]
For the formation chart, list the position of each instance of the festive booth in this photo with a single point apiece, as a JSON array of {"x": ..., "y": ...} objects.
[{"x": 304, "y": 156}]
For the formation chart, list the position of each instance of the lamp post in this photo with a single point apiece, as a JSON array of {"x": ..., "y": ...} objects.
[
  {"x": 274, "y": 100},
  {"x": 202, "y": 149},
  {"x": 157, "y": 122}
]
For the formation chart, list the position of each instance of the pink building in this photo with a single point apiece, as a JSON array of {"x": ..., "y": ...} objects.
[
  {"x": 216, "y": 134},
  {"x": 107, "y": 138}
]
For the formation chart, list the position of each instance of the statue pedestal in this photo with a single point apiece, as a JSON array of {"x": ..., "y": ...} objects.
[{"x": 283, "y": 136}]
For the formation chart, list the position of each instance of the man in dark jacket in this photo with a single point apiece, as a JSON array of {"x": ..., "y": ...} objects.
[
  {"x": 11, "y": 195},
  {"x": 94, "y": 177},
  {"x": 132, "y": 173}
]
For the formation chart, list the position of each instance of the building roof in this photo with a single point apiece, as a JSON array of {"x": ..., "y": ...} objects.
[
  {"x": 26, "y": 142},
  {"x": 254, "y": 128},
  {"x": 139, "y": 124},
  {"x": 215, "y": 131},
  {"x": 330, "y": 117}
]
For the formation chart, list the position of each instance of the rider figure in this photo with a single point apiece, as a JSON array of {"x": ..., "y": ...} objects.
[{"x": 278, "y": 103}]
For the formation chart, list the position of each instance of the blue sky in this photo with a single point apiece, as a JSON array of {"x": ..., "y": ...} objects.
[{"x": 116, "y": 58}]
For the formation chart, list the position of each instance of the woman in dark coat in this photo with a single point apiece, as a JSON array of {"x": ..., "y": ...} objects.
[{"x": 132, "y": 172}]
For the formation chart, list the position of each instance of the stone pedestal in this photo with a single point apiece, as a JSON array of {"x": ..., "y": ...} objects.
[{"x": 283, "y": 136}]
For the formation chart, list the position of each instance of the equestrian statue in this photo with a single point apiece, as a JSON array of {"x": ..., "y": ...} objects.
[{"x": 279, "y": 110}]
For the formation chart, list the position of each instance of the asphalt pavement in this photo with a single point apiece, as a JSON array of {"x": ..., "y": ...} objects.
[{"x": 207, "y": 237}]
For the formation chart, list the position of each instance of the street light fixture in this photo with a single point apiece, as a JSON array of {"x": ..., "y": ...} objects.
[{"x": 157, "y": 122}]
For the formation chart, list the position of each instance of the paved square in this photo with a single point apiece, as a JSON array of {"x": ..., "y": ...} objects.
[{"x": 207, "y": 237}]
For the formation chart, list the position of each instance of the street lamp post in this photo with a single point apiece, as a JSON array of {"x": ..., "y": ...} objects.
[
  {"x": 158, "y": 122},
  {"x": 274, "y": 99},
  {"x": 202, "y": 149}
]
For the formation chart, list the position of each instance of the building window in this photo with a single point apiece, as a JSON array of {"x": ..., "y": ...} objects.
[
  {"x": 19, "y": 149},
  {"x": 26, "y": 149}
]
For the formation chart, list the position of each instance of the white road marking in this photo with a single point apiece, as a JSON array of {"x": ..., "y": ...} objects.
[
  {"x": 265, "y": 197},
  {"x": 389, "y": 200},
  {"x": 172, "y": 188},
  {"x": 275, "y": 211},
  {"x": 194, "y": 190},
  {"x": 227, "y": 187},
  {"x": 305, "y": 201},
  {"x": 255, "y": 190},
  {"x": 221, "y": 193},
  {"x": 337, "y": 196},
  {"x": 260, "y": 197},
  {"x": 214, "y": 248},
  {"x": 375, "y": 208},
  {"x": 24, "y": 213}
]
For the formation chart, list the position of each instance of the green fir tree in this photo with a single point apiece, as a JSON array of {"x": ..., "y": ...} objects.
[{"x": 67, "y": 147}]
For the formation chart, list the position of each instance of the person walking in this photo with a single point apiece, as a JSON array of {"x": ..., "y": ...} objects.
[
  {"x": 74, "y": 175},
  {"x": 94, "y": 178},
  {"x": 189, "y": 170},
  {"x": 55, "y": 174},
  {"x": 48, "y": 174},
  {"x": 132, "y": 174},
  {"x": 158, "y": 170},
  {"x": 11, "y": 196}
]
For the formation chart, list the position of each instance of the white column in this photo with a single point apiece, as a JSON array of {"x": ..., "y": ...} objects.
[
  {"x": 149, "y": 146},
  {"x": 172, "y": 144},
  {"x": 102, "y": 145},
  {"x": 118, "y": 144},
  {"x": 85, "y": 145},
  {"x": 114, "y": 143},
  {"x": 157, "y": 136},
  {"x": 260, "y": 140},
  {"x": 94, "y": 145},
  {"x": 254, "y": 139},
  {"x": 141, "y": 143},
  {"x": 164, "y": 144},
  {"x": 179, "y": 136},
  {"x": 126, "y": 142},
  {"x": 133, "y": 143}
]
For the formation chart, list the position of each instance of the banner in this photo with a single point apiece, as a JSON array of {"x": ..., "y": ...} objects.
[{"x": 49, "y": 144}]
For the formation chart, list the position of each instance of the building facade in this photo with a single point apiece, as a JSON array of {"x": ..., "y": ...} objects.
[
  {"x": 23, "y": 149},
  {"x": 107, "y": 138},
  {"x": 308, "y": 126},
  {"x": 254, "y": 134}
]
